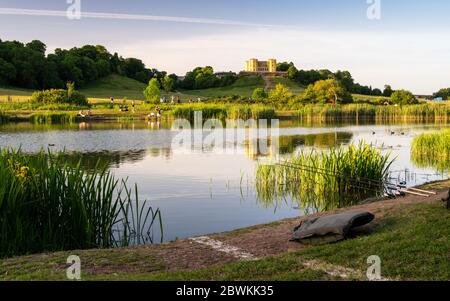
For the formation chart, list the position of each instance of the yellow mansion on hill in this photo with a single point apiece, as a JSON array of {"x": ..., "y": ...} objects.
[
  {"x": 253, "y": 65},
  {"x": 263, "y": 68}
]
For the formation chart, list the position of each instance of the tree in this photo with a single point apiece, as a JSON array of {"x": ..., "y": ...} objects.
[
  {"x": 259, "y": 94},
  {"x": 7, "y": 72},
  {"x": 37, "y": 46},
  {"x": 103, "y": 67},
  {"x": 153, "y": 93},
  {"x": 387, "y": 92},
  {"x": 444, "y": 93},
  {"x": 70, "y": 89},
  {"x": 325, "y": 91},
  {"x": 284, "y": 66},
  {"x": 345, "y": 78},
  {"x": 168, "y": 83},
  {"x": 292, "y": 72},
  {"x": 280, "y": 95},
  {"x": 403, "y": 97}
]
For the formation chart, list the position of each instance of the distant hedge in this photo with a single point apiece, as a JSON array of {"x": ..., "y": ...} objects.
[{"x": 59, "y": 96}]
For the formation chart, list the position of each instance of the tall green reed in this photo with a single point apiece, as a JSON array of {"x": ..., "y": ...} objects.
[
  {"x": 324, "y": 180},
  {"x": 432, "y": 150},
  {"x": 48, "y": 205},
  {"x": 422, "y": 112}
]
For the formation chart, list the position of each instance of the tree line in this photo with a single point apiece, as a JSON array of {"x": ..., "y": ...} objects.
[
  {"x": 28, "y": 66},
  {"x": 308, "y": 77}
]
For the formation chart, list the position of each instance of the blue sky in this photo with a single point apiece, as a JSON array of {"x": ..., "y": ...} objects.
[{"x": 408, "y": 47}]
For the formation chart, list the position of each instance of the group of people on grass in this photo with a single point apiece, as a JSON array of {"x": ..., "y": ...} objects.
[{"x": 124, "y": 107}]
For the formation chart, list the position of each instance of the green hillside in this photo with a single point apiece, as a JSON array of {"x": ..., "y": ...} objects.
[
  {"x": 119, "y": 87},
  {"x": 243, "y": 86},
  {"x": 115, "y": 86}
]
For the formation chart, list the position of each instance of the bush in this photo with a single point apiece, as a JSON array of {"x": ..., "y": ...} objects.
[
  {"x": 59, "y": 96},
  {"x": 403, "y": 97},
  {"x": 324, "y": 91},
  {"x": 259, "y": 94},
  {"x": 153, "y": 91}
]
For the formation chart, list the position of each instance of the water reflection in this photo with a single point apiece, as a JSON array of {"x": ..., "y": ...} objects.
[
  {"x": 438, "y": 164},
  {"x": 289, "y": 144},
  {"x": 198, "y": 191}
]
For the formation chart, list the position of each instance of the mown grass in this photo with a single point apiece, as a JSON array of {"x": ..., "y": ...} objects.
[
  {"x": 411, "y": 241},
  {"x": 49, "y": 205},
  {"x": 432, "y": 150},
  {"x": 324, "y": 180}
]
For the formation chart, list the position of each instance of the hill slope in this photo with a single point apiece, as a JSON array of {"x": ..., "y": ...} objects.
[
  {"x": 115, "y": 86},
  {"x": 119, "y": 87}
]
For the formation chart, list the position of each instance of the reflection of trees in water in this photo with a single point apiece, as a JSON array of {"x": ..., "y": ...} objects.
[
  {"x": 288, "y": 144},
  {"x": 104, "y": 159},
  {"x": 165, "y": 152}
]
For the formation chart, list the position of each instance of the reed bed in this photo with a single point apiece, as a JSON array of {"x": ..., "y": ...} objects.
[
  {"x": 48, "y": 205},
  {"x": 422, "y": 112},
  {"x": 322, "y": 181},
  {"x": 432, "y": 150},
  {"x": 53, "y": 118},
  {"x": 222, "y": 112}
]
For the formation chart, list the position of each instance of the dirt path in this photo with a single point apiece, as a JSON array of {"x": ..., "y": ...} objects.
[{"x": 269, "y": 83}]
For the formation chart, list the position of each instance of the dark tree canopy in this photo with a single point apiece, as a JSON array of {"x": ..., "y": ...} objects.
[
  {"x": 204, "y": 78},
  {"x": 28, "y": 66},
  {"x": 310, "y": 77}
]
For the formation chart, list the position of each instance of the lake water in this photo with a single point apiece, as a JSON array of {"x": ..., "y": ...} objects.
[{"x": 204, "y": 191}]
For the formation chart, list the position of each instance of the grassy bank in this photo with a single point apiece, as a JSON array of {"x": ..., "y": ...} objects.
[
  {"x": 48, "y": 205},
  {"x": 325, "y": 180},
  {"x": 420, "y": 252},
  {"x": 432, "y": 150}
]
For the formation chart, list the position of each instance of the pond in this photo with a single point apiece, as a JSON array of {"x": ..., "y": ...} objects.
[{"x": 204, "y": 191}]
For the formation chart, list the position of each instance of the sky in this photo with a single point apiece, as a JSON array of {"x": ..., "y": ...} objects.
[{"x": 408, "y": 46}]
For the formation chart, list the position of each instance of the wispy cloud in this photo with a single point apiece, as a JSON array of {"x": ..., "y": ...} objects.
[{"x": 97, "y": 15}]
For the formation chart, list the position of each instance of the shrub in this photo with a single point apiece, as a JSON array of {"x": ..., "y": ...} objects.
[
  {"x": 153, "y": 91},
  {"x": 259, "y": 94},
  {"x": 403, "y": 97},
  {"x": 325, "y": 90},
  {"x": 59, "y": 96}
]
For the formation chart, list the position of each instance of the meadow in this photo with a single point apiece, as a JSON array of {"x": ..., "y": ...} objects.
[{"x": 224, "y": 102}]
